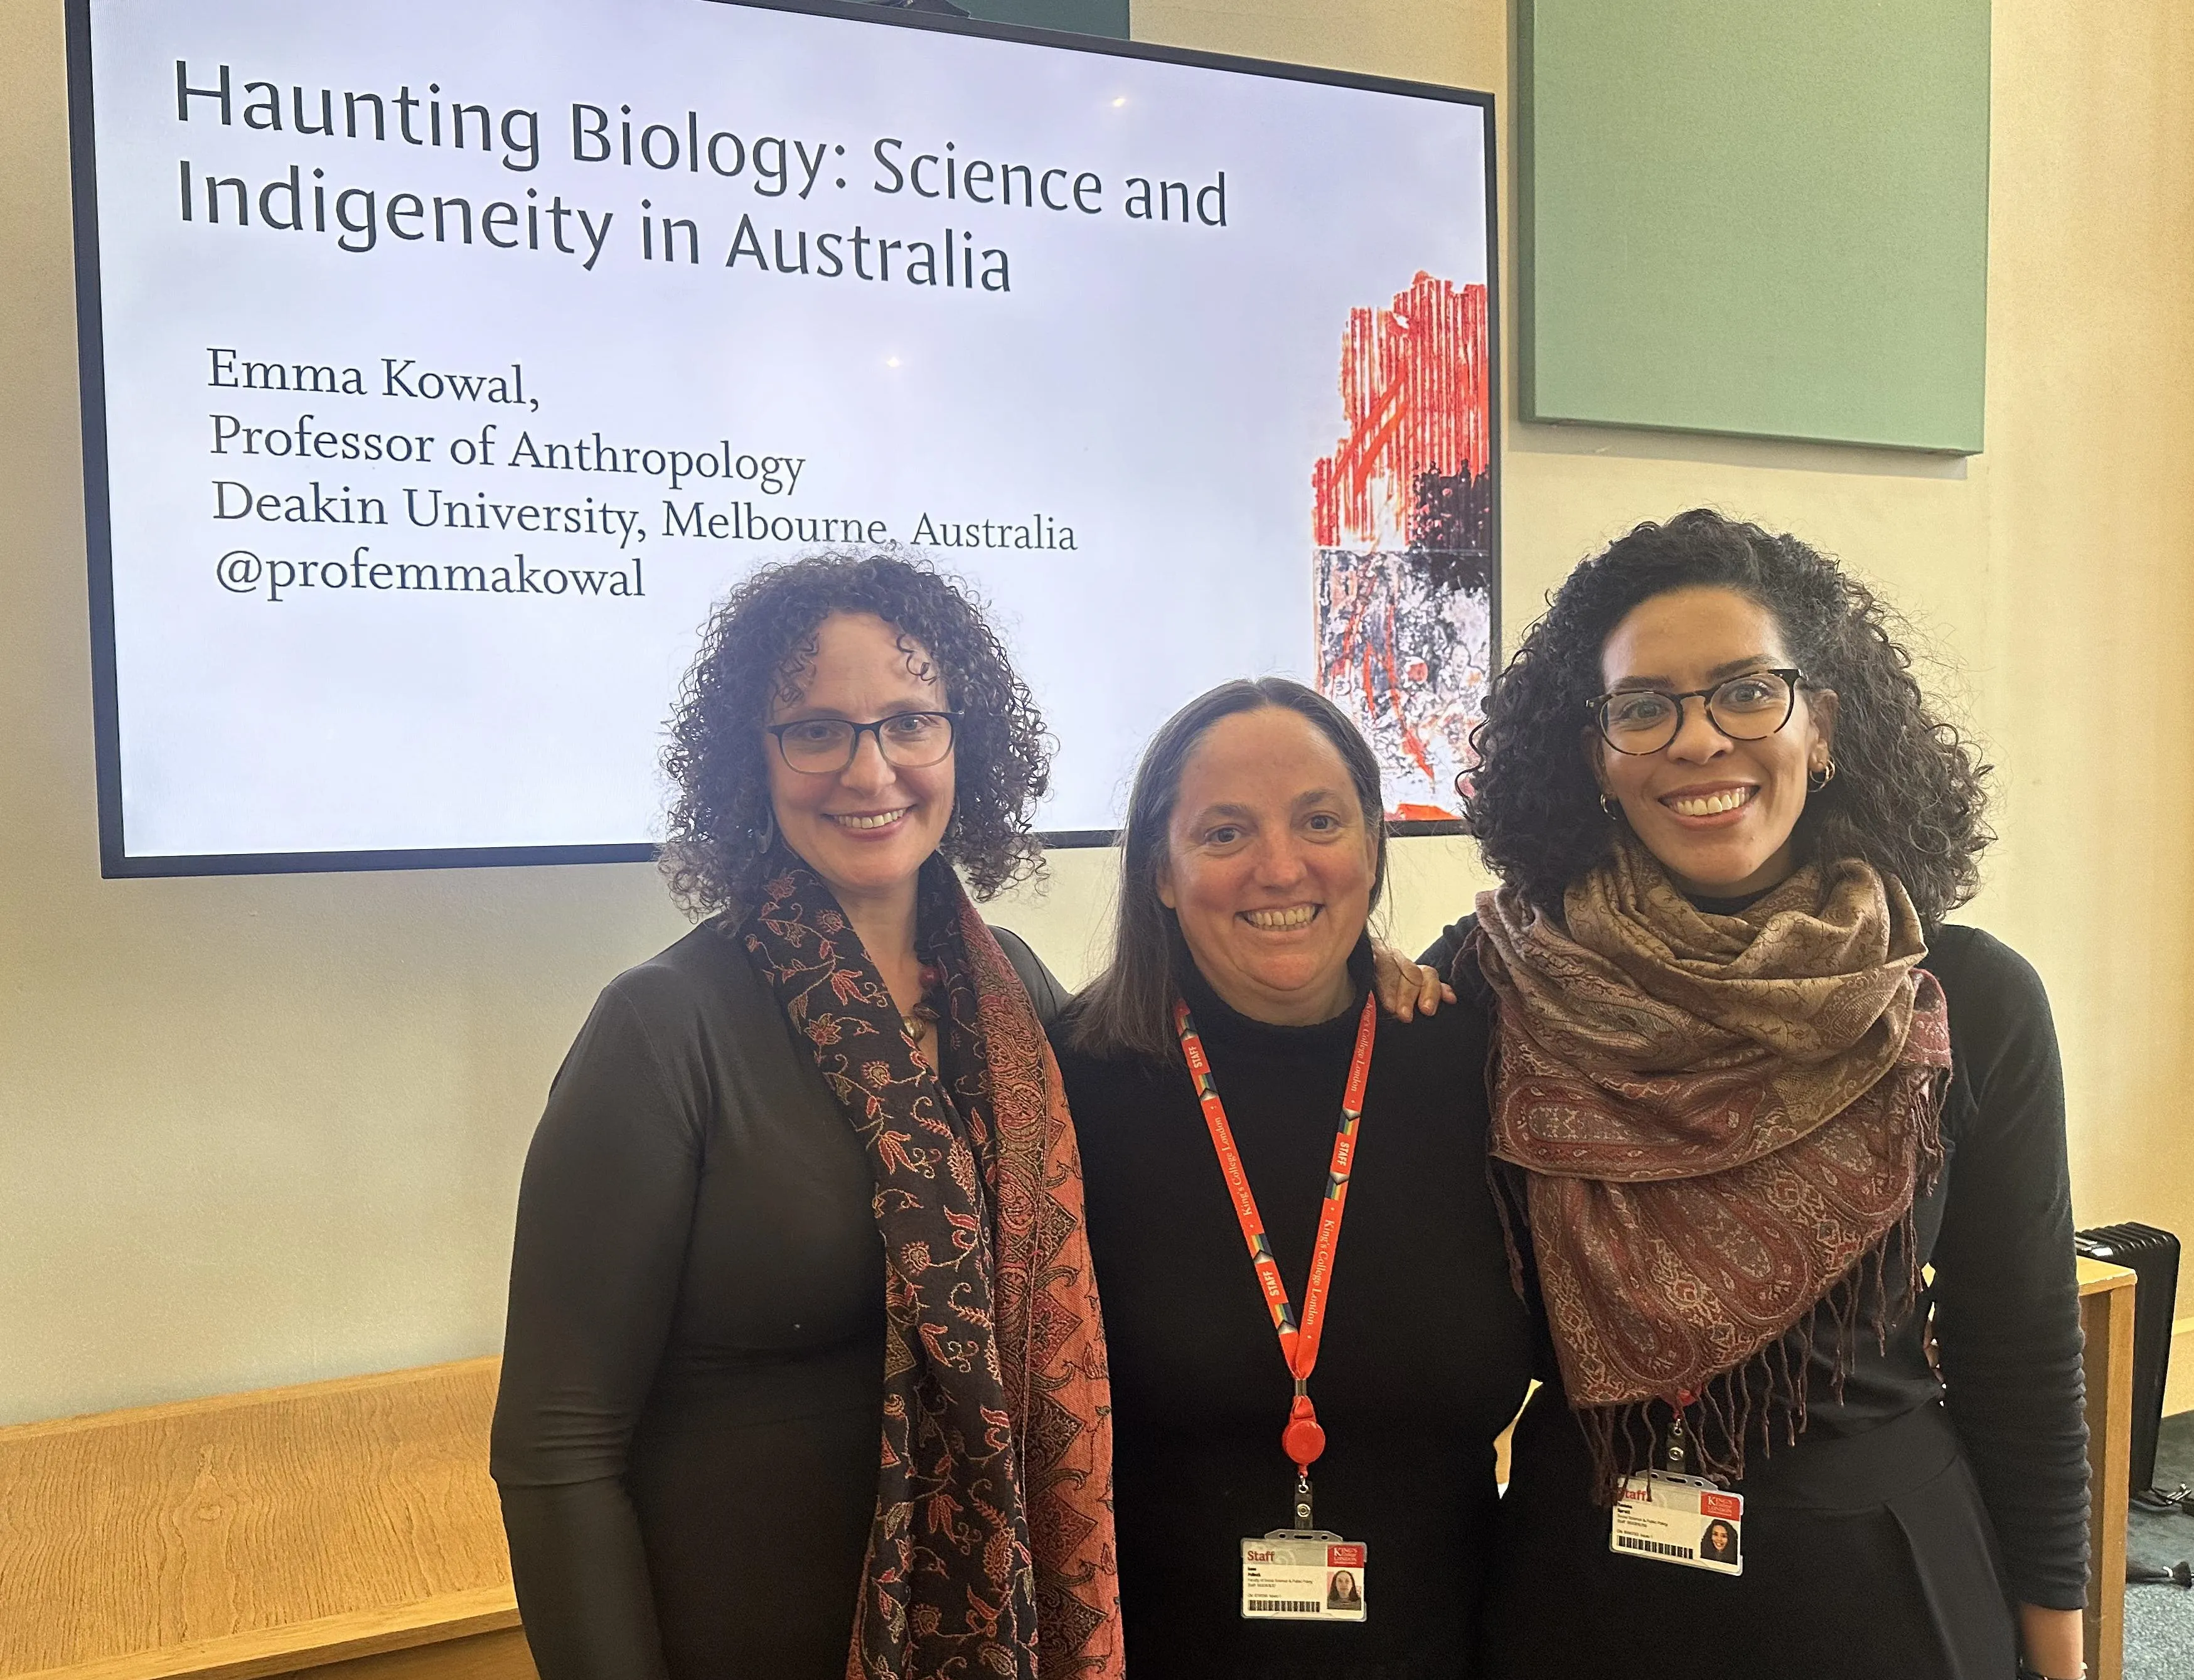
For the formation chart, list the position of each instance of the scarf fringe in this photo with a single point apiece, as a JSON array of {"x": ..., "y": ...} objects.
[{"x": 1769, "y": 1393}]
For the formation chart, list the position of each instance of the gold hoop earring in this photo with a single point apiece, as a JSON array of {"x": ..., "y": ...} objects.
[
  {"x": 1820, "y": 778},
  {"x": 1609, "y": 808}
]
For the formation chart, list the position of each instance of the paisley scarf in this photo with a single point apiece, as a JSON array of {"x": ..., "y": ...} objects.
[
  {"x": 991, "y": 1553},
  {"x": 1722, "y": 1122}
]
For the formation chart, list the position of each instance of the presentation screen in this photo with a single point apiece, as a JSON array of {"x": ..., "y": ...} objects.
[{"x": 444, "y": 364}]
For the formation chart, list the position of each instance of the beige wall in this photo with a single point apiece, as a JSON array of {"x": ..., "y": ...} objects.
[{"x": 263, "y": 1130}]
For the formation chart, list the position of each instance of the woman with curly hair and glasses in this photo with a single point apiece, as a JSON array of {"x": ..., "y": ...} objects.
[
  {"x": 1748, "y": 1085},
  {"x": 804, "y": 1373}
]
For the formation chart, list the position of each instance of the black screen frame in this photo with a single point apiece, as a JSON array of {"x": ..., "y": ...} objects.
[{"x": 115, "y": 860}]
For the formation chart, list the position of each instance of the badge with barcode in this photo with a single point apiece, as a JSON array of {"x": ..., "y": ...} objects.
[
  {"x": 1681, "y": 1520},
  {"x": 1300, "y": 1575}
]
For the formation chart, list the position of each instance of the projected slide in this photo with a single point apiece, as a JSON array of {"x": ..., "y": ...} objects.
[{"x": 445, "y": 363}]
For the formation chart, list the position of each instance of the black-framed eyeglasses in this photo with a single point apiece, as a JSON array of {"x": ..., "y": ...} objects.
[
  {"x": 1749, "y": 707},
  {"x": 825, "y": 746}
]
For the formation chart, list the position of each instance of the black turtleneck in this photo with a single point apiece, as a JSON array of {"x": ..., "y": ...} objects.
[{"x": 1426, "y": 1348}]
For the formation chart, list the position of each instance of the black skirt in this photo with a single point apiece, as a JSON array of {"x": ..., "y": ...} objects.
[{"x": 1865, "y": 1555}]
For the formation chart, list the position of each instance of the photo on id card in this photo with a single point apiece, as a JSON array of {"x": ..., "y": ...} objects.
[{"x": 1681, "y": 1520}]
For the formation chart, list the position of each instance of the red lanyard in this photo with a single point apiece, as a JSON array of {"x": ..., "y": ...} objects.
[{"x": 1302, "y": 1439}]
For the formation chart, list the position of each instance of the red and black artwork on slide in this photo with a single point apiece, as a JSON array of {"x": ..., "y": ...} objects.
[{"x": 1402, "y": 520}]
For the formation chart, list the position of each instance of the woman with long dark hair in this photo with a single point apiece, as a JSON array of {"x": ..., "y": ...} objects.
[
  {"x": 1749, "y": 1083},
  {"x": 1292, "y": 1402},
  {"x": 804, "y": 1373}
]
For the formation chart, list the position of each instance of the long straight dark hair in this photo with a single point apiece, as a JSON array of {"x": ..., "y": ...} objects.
[{"x": 1128, "y": 1010}]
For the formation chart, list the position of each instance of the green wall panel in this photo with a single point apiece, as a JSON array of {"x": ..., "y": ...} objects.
[
  {"x": 1086, "y": 17},
  {"x": 1759, "y": 216}
]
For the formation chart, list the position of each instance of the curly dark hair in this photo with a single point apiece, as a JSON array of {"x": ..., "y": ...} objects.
[
  {"x": 759, "y": 640},
  {"x": 1909, "y": 795}
]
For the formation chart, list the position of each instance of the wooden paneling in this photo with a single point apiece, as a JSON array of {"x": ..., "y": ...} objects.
[
  {"x": 486, "y": 1656},
  {"x": 2106, "y": 1300},
  {"x": 254, "y": 1534},
  {"x": 412, "y": 1637}
]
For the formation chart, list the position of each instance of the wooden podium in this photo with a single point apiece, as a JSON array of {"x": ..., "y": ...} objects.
[{"x": 348, "y": 1528}]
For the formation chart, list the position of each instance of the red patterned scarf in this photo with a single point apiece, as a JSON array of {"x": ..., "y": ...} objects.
[
  {"x": 991, "y": 1550},
  {"x": 1723, "y": 1121}
]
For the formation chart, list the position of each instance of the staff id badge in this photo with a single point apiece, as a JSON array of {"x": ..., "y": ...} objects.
[
  {"x": 1679, "y": 1519},
  {"x": 1295, "y": 1575}
]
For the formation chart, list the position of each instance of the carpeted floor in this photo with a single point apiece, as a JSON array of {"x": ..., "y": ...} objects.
[{"x": 2159, "y": 1641}]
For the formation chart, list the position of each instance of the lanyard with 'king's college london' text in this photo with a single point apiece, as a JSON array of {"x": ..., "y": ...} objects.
[{"x": 1302, "y": 1439}]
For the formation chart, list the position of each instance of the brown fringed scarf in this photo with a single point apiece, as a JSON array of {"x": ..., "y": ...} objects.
[
  {"x": 1723, "y": 1121},
  {"x": 991, "y": 1550}
]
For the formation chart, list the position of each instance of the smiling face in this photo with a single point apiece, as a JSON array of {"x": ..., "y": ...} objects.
[
  {"x": 869, "y": 828},
  {"x": 1718, "y": 813},
  {"x": 1269, "y": 866}
]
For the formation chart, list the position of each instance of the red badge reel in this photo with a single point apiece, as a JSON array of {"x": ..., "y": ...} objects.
[{"x": 1302, "y": 1439}]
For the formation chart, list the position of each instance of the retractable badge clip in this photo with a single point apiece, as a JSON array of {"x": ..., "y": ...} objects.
[{"x": 1302, "y": 1441}]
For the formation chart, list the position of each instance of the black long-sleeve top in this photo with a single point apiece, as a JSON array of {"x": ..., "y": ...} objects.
[
  {"x": 686, "y": 1435},
  {"x": 1425, "y": 1357},
  {"x": 1997, "y": 1226}
]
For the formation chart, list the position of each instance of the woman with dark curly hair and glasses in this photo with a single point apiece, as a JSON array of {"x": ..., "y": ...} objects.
[
  {"x": 1748, "y": 1084},
  {"x": 804, "y": 1373}
]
